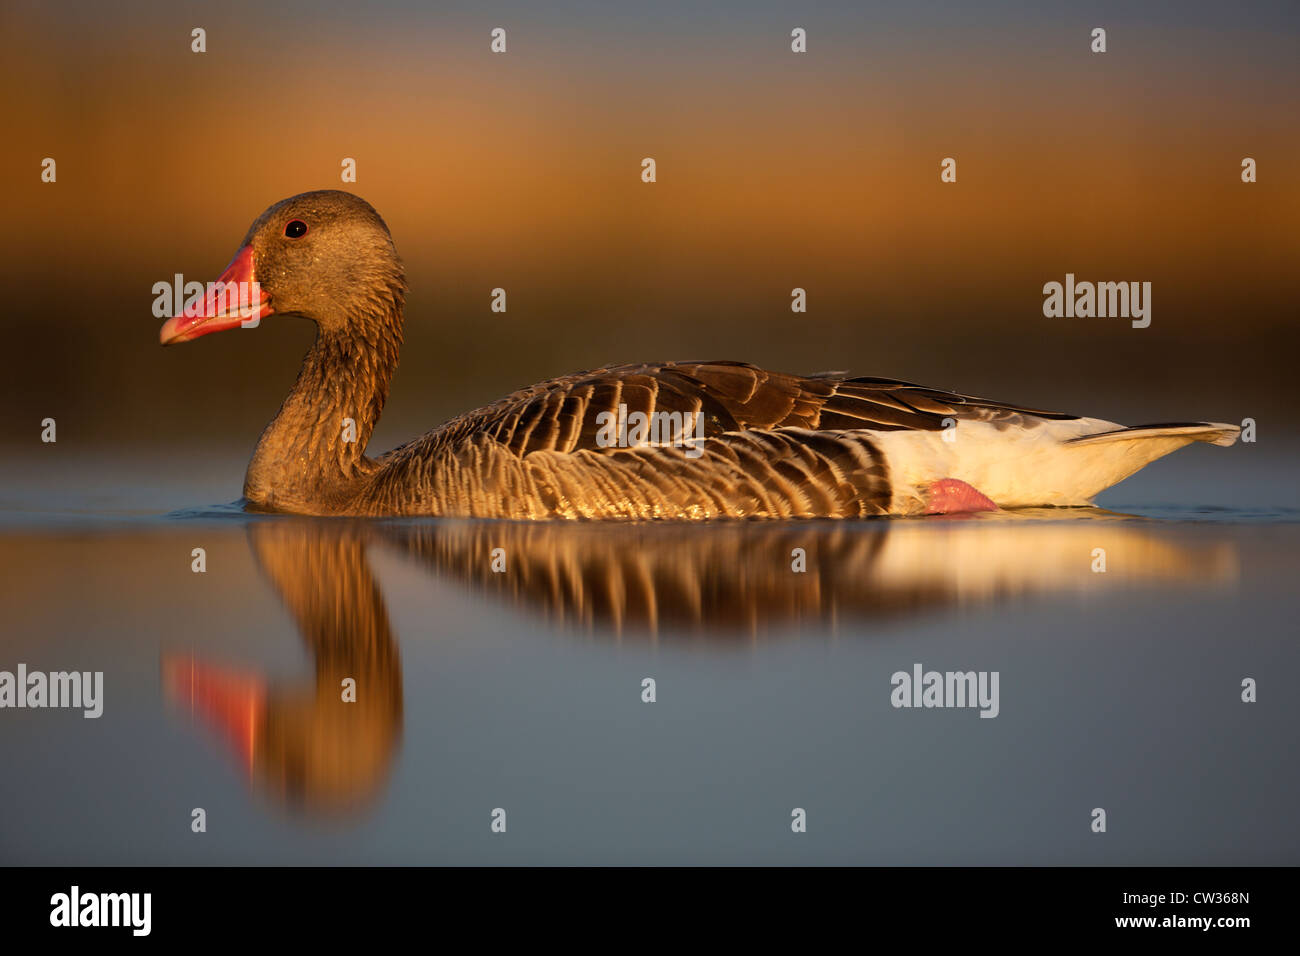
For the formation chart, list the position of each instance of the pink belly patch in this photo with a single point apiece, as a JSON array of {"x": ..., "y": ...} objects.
[{"x": 949, "y": 496}]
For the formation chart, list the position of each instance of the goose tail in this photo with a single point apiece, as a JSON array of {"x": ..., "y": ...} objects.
[
  {"x": 1094, "y": 461},
  {"x": 1062, "y": 463},
  {"x": 1216, "y": 433}
]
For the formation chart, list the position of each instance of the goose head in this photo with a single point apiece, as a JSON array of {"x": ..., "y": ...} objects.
[{"x": 324, "y": 255}]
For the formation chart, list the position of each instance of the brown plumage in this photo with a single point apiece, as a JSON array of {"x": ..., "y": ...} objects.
[
  {"x": 775, "y": 446},
  {"x": 735, "y": 441}
]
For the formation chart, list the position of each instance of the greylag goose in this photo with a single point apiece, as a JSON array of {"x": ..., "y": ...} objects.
[{"x": 675, "y": 440}]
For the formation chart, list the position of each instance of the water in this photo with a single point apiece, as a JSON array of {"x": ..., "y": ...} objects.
[{"x": 522, "y": 690}]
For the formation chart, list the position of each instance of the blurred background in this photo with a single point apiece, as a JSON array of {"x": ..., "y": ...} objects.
[{"x": 775, "y": 170}]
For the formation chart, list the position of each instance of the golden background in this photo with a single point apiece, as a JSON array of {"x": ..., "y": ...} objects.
[{"x": 775, "y": 170}]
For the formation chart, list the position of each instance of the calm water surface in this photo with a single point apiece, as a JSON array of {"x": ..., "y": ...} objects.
[{"x": 522, "y": 689}]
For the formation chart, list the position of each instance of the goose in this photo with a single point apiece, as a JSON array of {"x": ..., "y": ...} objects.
[{"x": 753, "y": 443}]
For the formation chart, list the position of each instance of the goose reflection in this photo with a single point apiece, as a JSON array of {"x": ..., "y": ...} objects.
[
  {"x": 729, "y": 583},
  {"x": 739, "y": 579},
  {"x": 311, "y": 748}
]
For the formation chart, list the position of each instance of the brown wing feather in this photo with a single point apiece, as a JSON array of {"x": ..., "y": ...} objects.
[
  {"x": 776, "y": 445},
  {"x": 561, "y": 415}
]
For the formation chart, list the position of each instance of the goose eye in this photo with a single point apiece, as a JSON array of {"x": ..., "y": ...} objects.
[{"x": 295, "y": 229}]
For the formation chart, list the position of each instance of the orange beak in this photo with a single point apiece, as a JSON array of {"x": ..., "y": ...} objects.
[{"x": 235, "y": 299}]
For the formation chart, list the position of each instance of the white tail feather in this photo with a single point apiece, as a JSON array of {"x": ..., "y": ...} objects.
[{"x": 1051, "y": 463}]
